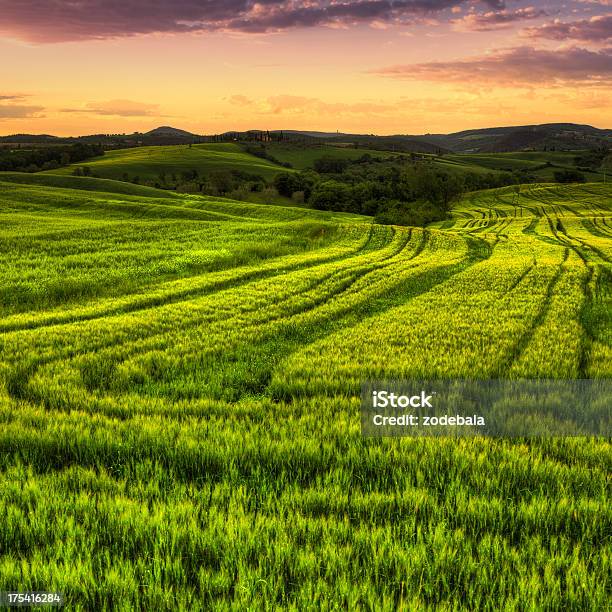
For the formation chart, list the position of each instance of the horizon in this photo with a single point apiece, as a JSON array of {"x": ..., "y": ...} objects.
[
  {"x": 314, "y": 130},
  {"x": 449, "y": 65}
]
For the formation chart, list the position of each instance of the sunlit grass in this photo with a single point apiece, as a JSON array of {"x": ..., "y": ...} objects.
[{"x": 179, "y": 411}]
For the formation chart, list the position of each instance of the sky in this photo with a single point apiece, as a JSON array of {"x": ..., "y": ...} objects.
[{"x": 368, "y": 66}]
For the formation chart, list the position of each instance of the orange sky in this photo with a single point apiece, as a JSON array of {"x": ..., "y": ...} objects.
[{"x": 464, "y": 68}]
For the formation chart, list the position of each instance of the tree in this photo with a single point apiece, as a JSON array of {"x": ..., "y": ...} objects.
[
  {"x": 330, "y": 195},
  {"x": 606, "y": 166},
  {"x": 331, "y": 165},
  {"x": 222, "y": 181},
  {"x": 439, "y": 188},
  {"x": 286, "y": 184},
  {"x": 569, "y": 176}
]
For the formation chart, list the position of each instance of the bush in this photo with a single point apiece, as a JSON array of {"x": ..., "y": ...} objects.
[
  {"x": 420, "y": 213},
  {"x": 569, "y": 176},
  {"x": 298, "y": 197},
  {"x": 331, "y": 195},
  {"x": 47, "y": 157},
  {"x": 331, "y": 165},
  {"x": 286, "y": 184}
]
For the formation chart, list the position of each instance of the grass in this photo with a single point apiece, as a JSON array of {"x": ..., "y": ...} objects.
[
  {"x": 148, "y": 163},
  {"x": 157, "y": 163},
  {"x": 179, "y": 382},
  {"x": 541, "y": 164},
  {"x": 85, "y": 184},
  {"x": 302, "y": 157}
]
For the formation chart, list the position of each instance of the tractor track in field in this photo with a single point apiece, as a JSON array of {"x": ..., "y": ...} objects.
[
  {"x": 521, "y": 277},
  {"x": 403, "y": 290},
  {"x": 597, "y": 227},
  {"x": 303, "y": 305},
  {"x": 589, "y": 289},
  {"x": 18, "y": 380},
  {"x": 143, "y": 302},
  {"x": 526, "y": 338}
]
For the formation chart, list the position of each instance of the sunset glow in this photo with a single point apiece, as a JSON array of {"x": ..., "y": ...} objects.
[{"x": 355, "y": 66}]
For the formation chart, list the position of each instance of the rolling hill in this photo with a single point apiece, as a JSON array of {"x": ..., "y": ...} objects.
[
  {"x": 180, "y": 384},
  {"x": 166, "y": 130},
  {"x": 557, "y": 136},
  {"x": 541, "y": 165},
  {"x": 151, "y": 162}
]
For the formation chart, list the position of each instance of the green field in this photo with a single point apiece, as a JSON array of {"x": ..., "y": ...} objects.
[
  {"x": 148, "y": 163},
  {"x": 179, "y": 382},
  {"x": 541, "y": 164},
  {"x": 302, "y": 157},
  {"x": 152, "y": 164}
]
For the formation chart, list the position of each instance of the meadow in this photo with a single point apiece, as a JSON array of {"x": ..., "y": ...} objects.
[
  {"x": 148, "y": 163},
  {"x": 302, "y": 157},
  {"x": 541, "y": 164},
  {"x": 179, "y": 400},
  {"x": 165, "y": 165}
]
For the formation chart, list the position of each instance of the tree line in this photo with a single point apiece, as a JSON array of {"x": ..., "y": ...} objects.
[
  {"x": 47, "y": 158},
  {"x": 396, "y": 193}
]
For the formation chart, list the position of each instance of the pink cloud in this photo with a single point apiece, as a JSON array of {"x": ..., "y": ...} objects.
[
  {"x": 511, "y": 67},
  {"x": 67, "y": 20},
  {"x": 595, "y": 30},
  {"x": 496, "y": 20}
]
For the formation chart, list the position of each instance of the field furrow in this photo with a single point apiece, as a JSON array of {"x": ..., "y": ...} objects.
[{"x": 179, "y": 400}]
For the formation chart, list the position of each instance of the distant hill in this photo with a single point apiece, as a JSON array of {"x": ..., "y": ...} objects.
[
  {"x": 544, "y": 137},
  {"x": 551, "y": 136},
  {"x": 160, "y": 163},
  {"x": 166, "y": 130},
  {"x": 33, "y": 138},
  {"x": 312, "y": 134}
]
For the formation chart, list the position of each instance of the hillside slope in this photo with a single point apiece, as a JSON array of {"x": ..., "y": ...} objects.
[
  {"x": 179, "y": 398},
  {"x": 559, "y": 136},
  {"x": 149, "y": 163}
]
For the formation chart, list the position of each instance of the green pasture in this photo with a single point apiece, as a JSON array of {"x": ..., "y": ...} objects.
[
  {"x": 150, "y": 163},
  {"x": 179, "y": 400},
  {"x": 542, "y": 164},
  {"x": 304, "y": 156}
]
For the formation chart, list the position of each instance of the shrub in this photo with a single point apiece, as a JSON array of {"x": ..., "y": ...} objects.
[
  {"x": 331, "y": 165},
  {"x": 569, "y": 176}
]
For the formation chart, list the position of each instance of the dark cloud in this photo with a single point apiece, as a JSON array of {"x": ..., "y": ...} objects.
[
  {"x": 70, "y": 20},
  {"x": 511, "y": 67},
  {"x": 496, "y": 20},
  {"x": 596, "y": 30},
  {"x": 289, "y": 15}
]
